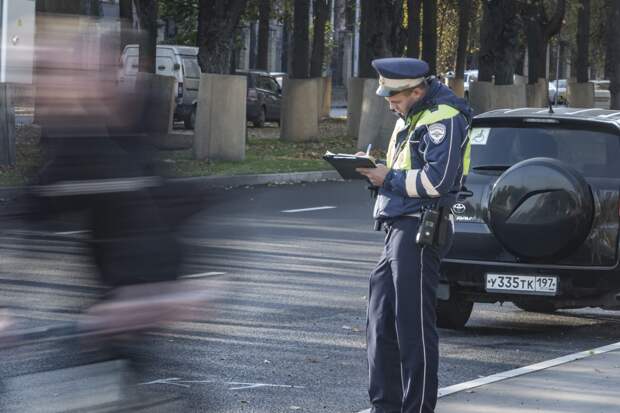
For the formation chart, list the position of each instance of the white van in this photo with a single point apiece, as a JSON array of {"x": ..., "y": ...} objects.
[{"x": 180, "y": 62}]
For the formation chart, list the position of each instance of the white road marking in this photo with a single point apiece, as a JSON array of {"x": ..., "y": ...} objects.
[
  {"x": 71, "y": 232},
  {"x": 580, "y": 111},
  {"x": 236, "y": 385},
  {"x": 202, "y": 275},
  {"x": 515, "y": 110},
  {"x": 526, "y": 370},
  {"x": 292, "y": 211},
  {"x": 494, "y": 378}
]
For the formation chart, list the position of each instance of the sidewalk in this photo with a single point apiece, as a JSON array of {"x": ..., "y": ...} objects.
[
  {"x": 587, "y": 385},
  {"x": 585, "y": 382}
]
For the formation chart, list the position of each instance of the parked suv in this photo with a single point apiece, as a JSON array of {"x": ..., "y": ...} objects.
[
  {"x": 264, "y": 97},
  {"x": 537, "y": 221},
  {"x": 180, "y": 62}
]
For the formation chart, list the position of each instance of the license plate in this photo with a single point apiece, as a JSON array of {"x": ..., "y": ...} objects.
[{"x": 522, "y": 284}]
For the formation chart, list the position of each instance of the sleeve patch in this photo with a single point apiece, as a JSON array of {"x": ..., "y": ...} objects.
[{"x": 437, "y": 132}]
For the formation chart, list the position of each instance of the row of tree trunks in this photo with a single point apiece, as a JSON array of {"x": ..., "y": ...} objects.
[
  {"x": 217, "y": 20},
  {"x": 613, "y": 51},
  {"x": 463, "y": 36},
  {"x": 321, "y": 13},
  {"x": 146, "y": 11},
  {"x": 414, "y": 8},
  {"x": 583, "y": 40},
  {"x": 429, "y": 34},
  {"x": 264, "y": 13},
  {"x": 381, "y": 33},
  {"x": 539, "y": 29},
  {"x": 301, "y": 42},
  {"x": 499, "y": 41}
]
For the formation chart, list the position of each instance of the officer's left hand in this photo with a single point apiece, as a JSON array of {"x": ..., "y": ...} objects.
[{"x": 376, "y": 176}]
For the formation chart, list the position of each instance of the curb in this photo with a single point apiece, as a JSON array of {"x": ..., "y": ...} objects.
[
  {"x": 227, "y": 181},
  {"x": 232, "y": 181}
]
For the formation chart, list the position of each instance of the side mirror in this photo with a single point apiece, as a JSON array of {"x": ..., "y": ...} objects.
[{"x": 176, "y": 66}]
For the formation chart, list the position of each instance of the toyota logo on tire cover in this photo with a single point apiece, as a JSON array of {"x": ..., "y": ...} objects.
[{"x": 458, "y": 208}]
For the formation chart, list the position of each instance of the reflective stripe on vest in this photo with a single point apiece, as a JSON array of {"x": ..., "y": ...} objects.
[
  {"x": 467, "y": 155},
  {"x": 403, "y": 160}
]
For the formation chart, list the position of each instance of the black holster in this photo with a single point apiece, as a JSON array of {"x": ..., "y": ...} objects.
[{"x": 434, "y": 227}]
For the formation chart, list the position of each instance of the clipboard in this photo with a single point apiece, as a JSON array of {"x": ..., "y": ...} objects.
[{"x": 346, "y": 164}]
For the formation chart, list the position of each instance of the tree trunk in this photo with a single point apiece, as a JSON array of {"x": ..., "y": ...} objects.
[
  {"x": 499, "y": 40},
  {"x": 613, "y": 52},
  {"x": 126, "y": 20},
  {"x": 300, "y": 39},
  {"x": 464, "y": 18},
  {"x": 381, "y": 33},
  {"x": 264, "y": 13},
  {"x": 429, "y": 34},
  {"x": 539, "y": 30},
  {"x": 414, "y": 7},
  {"x": 365, "y": 55},
  {"x": 321, "y": 12},
  {"x": 217, "y": 21},
  {"x": 146, "y": 11},
  {"x": 486, "y": 58},
  {"x": 583, "y": 36}
]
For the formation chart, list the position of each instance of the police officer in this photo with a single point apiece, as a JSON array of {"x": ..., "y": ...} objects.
[{"x": 425, "y": 163}]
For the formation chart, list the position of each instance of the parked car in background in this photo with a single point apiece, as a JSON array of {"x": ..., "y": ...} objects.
[
  {"x": 264, "y": 97},
  {"x": 470, "y": 76},
  {"x": 180, "y": 62},
  {"x": 557, "y": 92},
  {"x": 537, "y": 221}
]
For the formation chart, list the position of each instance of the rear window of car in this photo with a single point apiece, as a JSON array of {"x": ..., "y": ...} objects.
[{"x": 593, "y": 153}]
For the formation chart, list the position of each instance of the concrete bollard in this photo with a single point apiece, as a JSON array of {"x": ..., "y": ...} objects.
[
  {"x": 377, "y": 121},
  {"x": 509, "y": 96},
  {"x": 299, "y": 114},
  {"x": 221, "y": 117},
  {"x": 485, "y": 96},
  {"x": 355, "y": 96},
  {"x": 538, "y": 94},
  {"x": 580, "y": 95},
  {"x": 481, "y": 96},
  {"x": 324, "y": 95},
  {"x": 457, "y": 86}
]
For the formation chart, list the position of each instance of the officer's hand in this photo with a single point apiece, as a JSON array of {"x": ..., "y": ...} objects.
[{"x": 376, "y": 176}]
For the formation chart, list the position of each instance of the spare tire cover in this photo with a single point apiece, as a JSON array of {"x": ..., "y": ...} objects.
[{"x": 540, "y": 208}]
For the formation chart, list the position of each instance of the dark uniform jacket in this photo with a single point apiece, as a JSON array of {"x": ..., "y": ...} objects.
[{"x": 426, "y": 155}]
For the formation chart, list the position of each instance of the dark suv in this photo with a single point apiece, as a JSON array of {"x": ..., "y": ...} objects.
[
  {"x": 264, "y": 97},
  {"x": 537, "y": 221}
]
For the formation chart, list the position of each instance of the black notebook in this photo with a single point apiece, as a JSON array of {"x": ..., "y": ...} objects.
[{"x": 346, "y": 164}]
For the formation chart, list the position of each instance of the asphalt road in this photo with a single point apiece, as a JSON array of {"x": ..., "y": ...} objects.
[{"x": 287, "y": 331}]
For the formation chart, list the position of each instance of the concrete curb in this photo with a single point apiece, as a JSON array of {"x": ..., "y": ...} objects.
[
  {"x": 228, "y": 181},
  {"x": 231, "y": 181}
]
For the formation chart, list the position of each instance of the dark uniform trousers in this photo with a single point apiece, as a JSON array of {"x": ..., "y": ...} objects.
[{"x": 401, "y": 332}]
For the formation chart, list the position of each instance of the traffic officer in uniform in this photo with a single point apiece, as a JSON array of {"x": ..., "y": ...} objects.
[{"x": 417, "y": 187}]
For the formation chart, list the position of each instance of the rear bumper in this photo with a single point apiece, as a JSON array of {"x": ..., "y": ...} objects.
[{"x": 577, "y": 286}]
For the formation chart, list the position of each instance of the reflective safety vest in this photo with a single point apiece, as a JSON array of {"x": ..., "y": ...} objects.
[{"x": 399, "y": 157}]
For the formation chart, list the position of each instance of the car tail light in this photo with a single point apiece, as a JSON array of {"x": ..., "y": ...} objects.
[
  {"x": 180, "y": 90},
  {"x": 252, "y": 94}
]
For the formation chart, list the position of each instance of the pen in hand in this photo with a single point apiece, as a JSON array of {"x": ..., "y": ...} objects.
[{"x": 368, "y": 149}]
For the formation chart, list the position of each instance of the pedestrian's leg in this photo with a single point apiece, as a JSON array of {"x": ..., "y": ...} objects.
[
  {"x": 383, "y": 357},
  {"x": 415, "y": 272}
]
